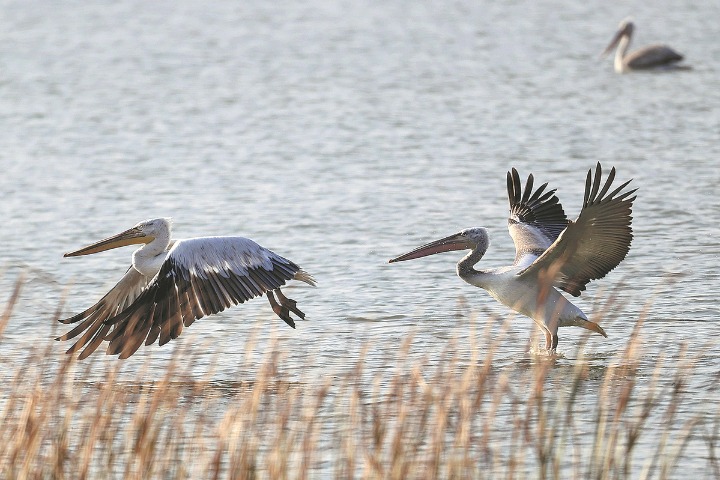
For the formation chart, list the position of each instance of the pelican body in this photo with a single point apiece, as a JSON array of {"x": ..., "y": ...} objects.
[
  {"x": 552, "y": 253},
  {"x": 651, "y": 57},
  {"x": 172, "y": 283}
]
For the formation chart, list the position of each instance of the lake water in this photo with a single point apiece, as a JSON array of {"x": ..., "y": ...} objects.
[{"x": 340, "y": 134}]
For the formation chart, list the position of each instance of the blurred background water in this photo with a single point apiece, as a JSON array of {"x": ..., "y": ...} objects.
[{"x": 340, "y": 134}]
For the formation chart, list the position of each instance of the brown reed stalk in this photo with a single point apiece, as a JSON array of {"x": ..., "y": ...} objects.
[
  {"x": 461, "y": 414},
  {"x": 10, "y": 303}
]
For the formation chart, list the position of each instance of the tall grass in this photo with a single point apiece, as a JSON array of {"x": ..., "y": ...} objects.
[{"x": 463, "y": 418}]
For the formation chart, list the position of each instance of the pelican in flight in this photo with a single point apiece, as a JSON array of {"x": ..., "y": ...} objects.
[
  {"x": 551, "y": 251},
  {"x": 172, "y": 283},
  {"x": 651, "y": 57}
]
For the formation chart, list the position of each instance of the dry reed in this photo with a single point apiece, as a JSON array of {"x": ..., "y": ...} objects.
[{"x": 463, "y": 418}]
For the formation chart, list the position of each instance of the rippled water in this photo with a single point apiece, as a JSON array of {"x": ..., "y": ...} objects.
[{"x": 341, "y": 134}]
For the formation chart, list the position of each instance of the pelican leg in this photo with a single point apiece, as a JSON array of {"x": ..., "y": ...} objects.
[
  {"x": 551, "y": 341},
  {"x": 551, "y": 335},
  {"x": 548, "y": 339},
  {"x": 289, "y": 303},
  {"x": 280, "y": 310}
]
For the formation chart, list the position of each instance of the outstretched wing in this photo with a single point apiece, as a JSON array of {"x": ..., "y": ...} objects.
[
  {"x": 536, "y": 218},
  {"x": 118, "y": 298},
  {"x": 200, "y": 277},
  {"x": 595, "y": 243}
]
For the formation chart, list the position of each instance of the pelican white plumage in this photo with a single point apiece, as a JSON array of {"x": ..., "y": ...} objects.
[
  {"x": 172, "y": 283},
  {"x": 551, "y": 251},
  {"x": 650, "y": 57}
]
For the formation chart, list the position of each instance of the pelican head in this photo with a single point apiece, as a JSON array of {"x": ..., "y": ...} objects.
[
  {"x": 625, "y": 28},
  {"x": 144, "y": 232},
  {"x": 475, "y": 239}
]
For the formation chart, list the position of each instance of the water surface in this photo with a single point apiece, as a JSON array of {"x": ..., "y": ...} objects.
[{"x": 342, "y": 134}]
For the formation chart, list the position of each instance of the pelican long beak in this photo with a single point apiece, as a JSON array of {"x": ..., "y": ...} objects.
[
  {"x": 624, "y": 30},
  {"x": 131, "y": 236},
  {"x": 457, "y": 241},
  {"x": 613, "y": 42}
]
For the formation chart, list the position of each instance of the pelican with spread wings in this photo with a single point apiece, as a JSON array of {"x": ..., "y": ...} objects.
[
  {"x": 551, "y": 252},
  {"x": 172, "y": 283}
]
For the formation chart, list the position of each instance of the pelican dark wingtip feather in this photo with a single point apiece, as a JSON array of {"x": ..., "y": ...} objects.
[
  {"x": 579, "y": 261},
  {"x": 536, "y": 217}
]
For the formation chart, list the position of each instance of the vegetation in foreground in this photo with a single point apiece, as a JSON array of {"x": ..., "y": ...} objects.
[{"x": 464, "y": 418}]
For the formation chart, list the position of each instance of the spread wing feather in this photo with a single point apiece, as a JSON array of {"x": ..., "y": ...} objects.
[
  {"x": 595, "y": 243},
  {"x": 536, "y": 218},
  {"x": 118, "y": 298}
]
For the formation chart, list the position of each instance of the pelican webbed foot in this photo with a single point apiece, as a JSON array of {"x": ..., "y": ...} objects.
[{"x": 283, "y": 306}]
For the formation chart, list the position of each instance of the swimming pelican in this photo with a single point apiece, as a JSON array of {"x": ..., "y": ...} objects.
[
  {"x": 172, "y": 283},
  {"x": 551, "y": 251},
  {"x": 651, "y": 57}
]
